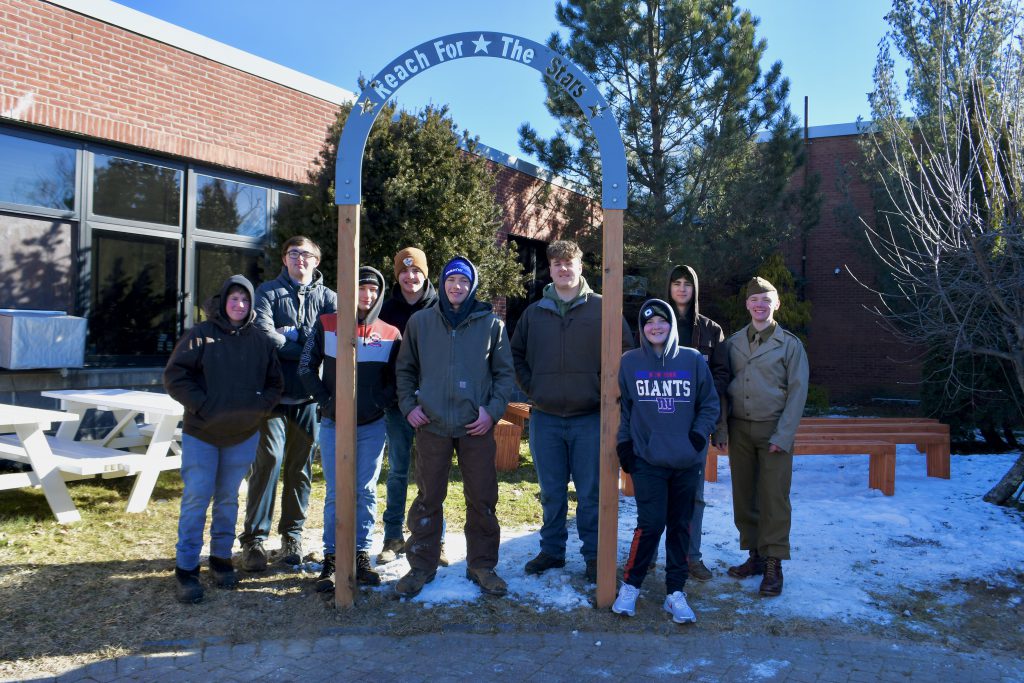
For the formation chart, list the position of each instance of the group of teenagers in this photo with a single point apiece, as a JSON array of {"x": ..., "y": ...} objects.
[{"x": 436, "y": 366}]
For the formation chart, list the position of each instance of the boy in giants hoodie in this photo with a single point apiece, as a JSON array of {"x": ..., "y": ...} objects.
[
  {"x": 668, "y": 409},
  {"x": 376, "y": 350},
  {"x": 226, "y": 374}
]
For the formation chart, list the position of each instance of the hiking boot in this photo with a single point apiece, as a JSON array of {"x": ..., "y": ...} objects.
[
  {"x": 625, "y": 603},
  {"x": 771, "y": 584},
  {"x": 393, "y": 547},
  {"x": 752, "y": 567},
  {"x": 591, "y": 571},
  {"x": 488, "y": 580},
  {"x": 365, "y": 576},
  {"x": 412, "y": 583},
  {"x": 676, "y": 605},
  {"x": 254, "y": 557},
  {"x": 290, "y": 552},
  {"x": 543, "y": 562},
  {"x": 325, "y": 582},
  {"x": 442, "y": 559},
  {"x": 223, "y": 571},
  {"x": 699, "y": 571},
  {"x": 188, "y": 589}
]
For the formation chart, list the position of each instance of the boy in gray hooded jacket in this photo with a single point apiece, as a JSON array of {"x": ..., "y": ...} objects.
[{"x": 668, "y": 408}]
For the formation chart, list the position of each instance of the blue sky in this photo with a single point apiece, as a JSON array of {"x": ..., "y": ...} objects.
[{"x": 827, "y": 47}]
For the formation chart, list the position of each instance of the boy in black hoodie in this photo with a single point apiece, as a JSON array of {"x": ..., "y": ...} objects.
[
  {"x": 376, "y": 350},
  {"x": 700, "y": 332},
  {"x": 226, "y": 374}
]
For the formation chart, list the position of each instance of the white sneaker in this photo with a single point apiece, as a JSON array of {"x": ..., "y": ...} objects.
[
  {"x": 675, "y": 605},
  {"x": 626, "y": 602}
]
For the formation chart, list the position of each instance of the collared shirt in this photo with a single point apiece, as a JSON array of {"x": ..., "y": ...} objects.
[{"x": 755, "y": 338}]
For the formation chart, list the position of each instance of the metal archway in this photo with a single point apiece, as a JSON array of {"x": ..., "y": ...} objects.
[{"x": 348, "y": 191}]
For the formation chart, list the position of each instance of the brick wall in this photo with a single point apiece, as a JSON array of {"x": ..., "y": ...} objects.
[
  {"x": 75, "y": 74},
  {"x": 849, "y": 351}
]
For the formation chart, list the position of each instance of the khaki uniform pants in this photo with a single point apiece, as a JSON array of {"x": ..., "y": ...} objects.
[
  {"x": 760, "y": 489},
  {"x": 479, "y": 483}
]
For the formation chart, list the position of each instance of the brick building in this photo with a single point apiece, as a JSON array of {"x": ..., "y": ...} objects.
[{"x": 140, "y": 162}]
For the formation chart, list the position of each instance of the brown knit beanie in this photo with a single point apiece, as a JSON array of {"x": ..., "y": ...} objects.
[{"x": 411, "y": 256}]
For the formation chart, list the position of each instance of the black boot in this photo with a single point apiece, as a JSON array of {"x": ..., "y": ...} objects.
[
  {"x": 188, "y": 588},
  {"x": 771, "y": 584},
  {"x": 365, "y": 576},
  {"x": 752, "y": 567},
  {"x": 223, "y": 572},
  {"x": 325, "y": 582}
]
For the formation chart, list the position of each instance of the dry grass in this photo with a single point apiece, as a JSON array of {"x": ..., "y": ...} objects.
[{"x": 103, "y": 588}]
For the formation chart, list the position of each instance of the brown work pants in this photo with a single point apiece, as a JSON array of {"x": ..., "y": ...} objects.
[
  {"x": 760, "y": 489},
  {"x": 480, "y": 486}
]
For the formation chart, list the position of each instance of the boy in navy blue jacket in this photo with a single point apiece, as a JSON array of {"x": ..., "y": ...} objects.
[{"x": 668, "y": 407}]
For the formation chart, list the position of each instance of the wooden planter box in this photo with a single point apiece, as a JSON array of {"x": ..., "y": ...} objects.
[{"x": 507, "y": 436}]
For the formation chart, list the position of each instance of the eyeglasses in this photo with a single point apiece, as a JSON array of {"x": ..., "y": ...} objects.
[{"x": 295, "y": 255}]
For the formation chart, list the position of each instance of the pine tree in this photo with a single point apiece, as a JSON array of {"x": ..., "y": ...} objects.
[
  {"x": 710, "y": 141},
  {"x": 419, "y": 189}
]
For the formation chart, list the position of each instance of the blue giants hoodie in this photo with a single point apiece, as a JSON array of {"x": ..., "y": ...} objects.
[{"x": 668, "y": 402}]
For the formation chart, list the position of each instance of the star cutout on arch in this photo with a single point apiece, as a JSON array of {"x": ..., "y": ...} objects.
[
  {"x": 480, "y": 45},
  {"x": 367, "y": 106},
  {"x": 596, "y": 110}
]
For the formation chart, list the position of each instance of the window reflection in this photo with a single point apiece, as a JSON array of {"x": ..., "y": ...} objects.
[
  {"x": 215, "y": 264},
  {"x": 227, "y": 206},
  {"x": 134, "y": 295},
  {"x": 135, "y": 190},
  {"x": 36, "y": 173}
]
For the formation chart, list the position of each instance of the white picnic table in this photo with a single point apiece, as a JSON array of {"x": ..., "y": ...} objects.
[{"x": 153, "y": 444}]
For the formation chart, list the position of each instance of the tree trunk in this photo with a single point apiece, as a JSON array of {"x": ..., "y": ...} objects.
[{"x": 1008, "y": 485}]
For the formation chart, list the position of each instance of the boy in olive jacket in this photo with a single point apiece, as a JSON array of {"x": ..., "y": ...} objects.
[
  {"x": 455, "y": 379},
  {"x": 766, "y": 397}
]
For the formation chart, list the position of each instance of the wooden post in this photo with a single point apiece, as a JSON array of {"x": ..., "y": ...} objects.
[
  {"x": 611, "y": 353},
  {"x": 345, "y": 400}
]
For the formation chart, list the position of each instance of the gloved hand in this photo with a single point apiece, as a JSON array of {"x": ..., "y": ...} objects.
[
  {"x": 626, "y": 456},
  {"x": 698, "y": 441}
]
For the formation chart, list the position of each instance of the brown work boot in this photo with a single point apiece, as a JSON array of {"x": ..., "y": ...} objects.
[
  {"x": 699, "y": 571},
  {"x": 489, "y": 582},
  {"x": 413, "y": 582},
  {"x": 752, "y": 567},
  {"x": 771, "y": 584}
]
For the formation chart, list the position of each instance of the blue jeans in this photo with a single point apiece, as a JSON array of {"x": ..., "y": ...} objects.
[
  {"x": 369, "y": 456},
  {"x": 400, "y": 436},
  {"x": 210, "y": 473},
  {"x": 564, "y": 448},
  {"x": 664, "y": 503},
  {"x": 285, "y": 449}
]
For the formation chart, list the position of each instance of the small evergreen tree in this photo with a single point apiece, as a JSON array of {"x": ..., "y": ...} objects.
[{"x": 419, "y": 189}]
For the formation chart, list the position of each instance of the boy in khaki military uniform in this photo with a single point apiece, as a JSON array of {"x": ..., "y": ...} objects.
[{"x": 766, "y": 395}]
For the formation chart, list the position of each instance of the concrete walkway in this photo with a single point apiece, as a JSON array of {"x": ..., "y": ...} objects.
[{"x": 546, "y": 657}]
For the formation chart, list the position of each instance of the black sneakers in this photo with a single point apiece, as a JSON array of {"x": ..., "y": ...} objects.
[
  {"x": 254, "y": 557},
  {"x": 188, "y": 590}
]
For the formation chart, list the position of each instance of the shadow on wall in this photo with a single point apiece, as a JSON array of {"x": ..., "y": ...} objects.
[{"x": 35, "y": 263}]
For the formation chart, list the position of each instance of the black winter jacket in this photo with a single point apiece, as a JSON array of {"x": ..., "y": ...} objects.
[{"x": 228, "y": 378}]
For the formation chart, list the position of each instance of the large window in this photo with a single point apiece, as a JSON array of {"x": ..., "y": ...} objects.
[
  {"x": 216, "y": 263},
  {"x": 231, "y": 207},
  {"x": 36, "y": 173},
  {"x": 134, "y": 295},
  {"x": 136, "y": 190}
]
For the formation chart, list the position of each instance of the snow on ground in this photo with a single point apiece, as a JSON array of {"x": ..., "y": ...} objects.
[{"x": 848, "y": 542}]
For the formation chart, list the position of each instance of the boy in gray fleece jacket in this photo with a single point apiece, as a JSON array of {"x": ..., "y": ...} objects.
[{"x": 668, "y": 408}]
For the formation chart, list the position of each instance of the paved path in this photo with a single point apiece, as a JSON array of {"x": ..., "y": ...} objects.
[{"x": 547, "y": 657}]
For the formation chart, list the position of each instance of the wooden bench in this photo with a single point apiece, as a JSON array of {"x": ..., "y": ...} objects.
[
  {"x": 506, "y": 437},
  {"x": 517, "y": 413},
  {"x": 931, "y": 438},
  {"x": 881, "y": 463}
]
